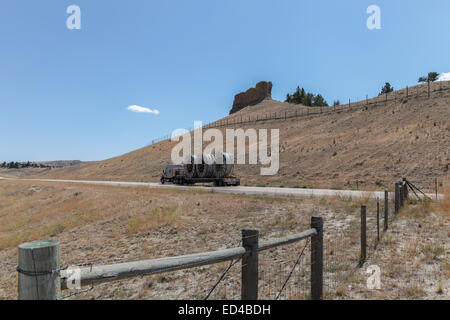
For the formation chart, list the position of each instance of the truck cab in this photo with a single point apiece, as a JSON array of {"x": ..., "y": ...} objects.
[{"x": 171, "y": 171}]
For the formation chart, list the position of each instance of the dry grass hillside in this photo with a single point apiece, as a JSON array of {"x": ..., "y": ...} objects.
[{"x": 376, "y": 146}]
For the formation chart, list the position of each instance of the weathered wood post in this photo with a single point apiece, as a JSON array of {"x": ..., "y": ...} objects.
[
  {"x": 397, "y": 198},
  {"x": 428, "y": 89},
  {"x": 249, "y": 283},
  {"x": 386, "y": 210},
  {"x": 38, "y": 270},
  {"x": 378, "y": 219},
  {"x": 407, "y": 91},
  {"x": 317, "y": 259},
  {"x": 363, "y": 236}
]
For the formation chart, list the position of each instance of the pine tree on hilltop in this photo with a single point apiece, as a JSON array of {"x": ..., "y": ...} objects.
[
  {"x": 386, "y": 89},
  {"x": 432, "y": 77},
  {"x": 319, "y": 101},
  {"x": 300, "y": 96}
]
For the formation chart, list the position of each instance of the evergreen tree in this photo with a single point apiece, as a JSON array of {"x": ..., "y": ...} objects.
[
  {"x": 308, "y": 99},
  {"x": 319, "y": 101},
  {"x": 301, "y": 96},
  {"x": 386, "y": 89},
  {"x": 432, "y": 77}
]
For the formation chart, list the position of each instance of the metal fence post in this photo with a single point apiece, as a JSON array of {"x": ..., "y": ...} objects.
[
  {"x": 38, "y": 269},
  {"x": 317, "y": 259},
  {"x": 386, "y": 210},
  {"x": 405, "y": 189},
  {"x": 397, "y": 196},
  {"x": 378, "y": 219},
  {"x": 363, "y": 236},
  {"x": 249, "y": 283},
  {"x": 436, "y": 187},
  {"x": 400, "y": 190}
]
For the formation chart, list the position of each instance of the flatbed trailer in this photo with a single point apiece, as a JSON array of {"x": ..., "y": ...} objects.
[
  {"x": 217, "y": 182},
  {"x": 176, "y": 175}
]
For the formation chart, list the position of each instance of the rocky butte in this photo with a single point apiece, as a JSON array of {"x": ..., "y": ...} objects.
[{"x": 262, "y": 90}]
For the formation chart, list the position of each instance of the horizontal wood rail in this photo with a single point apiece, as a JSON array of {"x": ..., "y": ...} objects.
[{"x": 98, "y": 274}]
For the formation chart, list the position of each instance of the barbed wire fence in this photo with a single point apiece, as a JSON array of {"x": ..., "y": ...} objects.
[
  {"x": 435, "y": 89},
  {"x": 284, "y": 268}
]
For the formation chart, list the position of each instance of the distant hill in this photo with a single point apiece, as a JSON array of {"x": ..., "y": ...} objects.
[
  {"x": 374, "y": 145},
  {"x": 62, "y": 163}
]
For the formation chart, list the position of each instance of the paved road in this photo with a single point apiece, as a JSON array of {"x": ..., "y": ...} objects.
[{"x": 268, "y": 191}]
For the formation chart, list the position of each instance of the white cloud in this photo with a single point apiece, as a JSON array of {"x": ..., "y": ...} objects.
[
  {"x": 444, "y": 77},
  {"x": 135, "y": 108}
]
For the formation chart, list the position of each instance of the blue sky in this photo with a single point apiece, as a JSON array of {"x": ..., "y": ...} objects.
[{"x": 64, "y": 93}]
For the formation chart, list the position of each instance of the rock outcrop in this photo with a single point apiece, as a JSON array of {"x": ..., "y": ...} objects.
[{"x": 252, "y": 96}]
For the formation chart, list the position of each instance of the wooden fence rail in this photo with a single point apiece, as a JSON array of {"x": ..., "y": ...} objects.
[{"x": 44, "y": 281}]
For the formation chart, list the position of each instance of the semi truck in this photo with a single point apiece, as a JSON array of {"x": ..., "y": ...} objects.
[{"x": 207, "y": 170}]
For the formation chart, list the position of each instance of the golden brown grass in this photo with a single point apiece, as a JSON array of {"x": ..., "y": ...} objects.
[
  {"x": 94, "y": 222},
  {"x": 103, "y": 222}
]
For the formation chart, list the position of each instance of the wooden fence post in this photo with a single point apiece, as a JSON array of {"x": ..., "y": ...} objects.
[
  {"x": 38, "y": 270},
  {"x": 363, "y": 236},
  {"x": 317, "y": 259},
  {"x": 249, "y": 283},
  {"x": 386, "y": 210},
  {"x": 397, "y": 198}
]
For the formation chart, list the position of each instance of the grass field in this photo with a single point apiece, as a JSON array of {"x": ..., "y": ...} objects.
[{"x": 103, "y": 223}]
